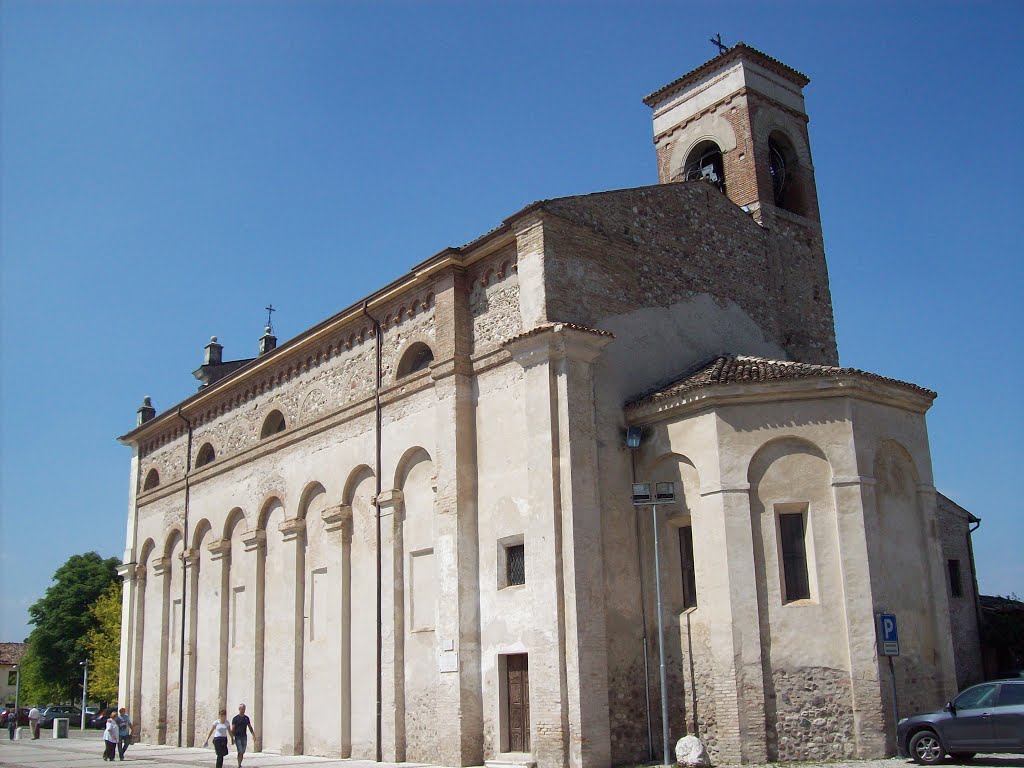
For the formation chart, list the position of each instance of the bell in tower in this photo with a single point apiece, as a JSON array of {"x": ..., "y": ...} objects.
[{"x": 738, "y": 122}]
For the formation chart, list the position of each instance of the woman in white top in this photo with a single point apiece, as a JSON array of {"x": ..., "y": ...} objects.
[
  {"x": 110, "y": 738},
  {"x": 221, "y": 733}
]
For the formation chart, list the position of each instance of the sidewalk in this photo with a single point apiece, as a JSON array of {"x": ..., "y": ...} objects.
[{"x": 86, "y": 749}]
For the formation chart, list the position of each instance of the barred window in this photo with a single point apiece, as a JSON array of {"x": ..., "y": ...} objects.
[
  {"x": 794, "y": 557},
  {"x": 515, "y": 563}
]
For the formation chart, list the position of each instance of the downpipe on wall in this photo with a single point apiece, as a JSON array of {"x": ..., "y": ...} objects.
[
  {"x": 184, "y": 581},
  {"x": 376, "y": 507}
]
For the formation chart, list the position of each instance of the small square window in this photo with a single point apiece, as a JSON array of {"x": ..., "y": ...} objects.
[{"x": 515, "y": 565}]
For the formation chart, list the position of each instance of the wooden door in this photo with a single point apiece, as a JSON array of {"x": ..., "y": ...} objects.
[{"x": 517, "y": 686}]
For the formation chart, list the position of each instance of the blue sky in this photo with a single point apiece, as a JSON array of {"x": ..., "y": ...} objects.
[{"x": 170, "y": 168}]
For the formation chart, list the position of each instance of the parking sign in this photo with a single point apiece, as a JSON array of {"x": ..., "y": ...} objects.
[{"x": 888, "y": 635}]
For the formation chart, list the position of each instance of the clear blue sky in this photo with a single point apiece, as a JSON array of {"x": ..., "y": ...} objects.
[{"x": 170, "y": 168}]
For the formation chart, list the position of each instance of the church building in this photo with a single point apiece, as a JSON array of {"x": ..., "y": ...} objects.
[{"x": 409, "y": 533}]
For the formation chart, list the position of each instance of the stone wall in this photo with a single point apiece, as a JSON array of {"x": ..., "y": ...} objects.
[
  {"x": 658, "y": 246},
  {"x": 954, "y": 524},
  {"x": 814, "y": 715}
]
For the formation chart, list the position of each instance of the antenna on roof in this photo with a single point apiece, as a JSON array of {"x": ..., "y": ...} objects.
[
  {"x": 717, "y": 40},
  {"x": 269, "y": 308}
]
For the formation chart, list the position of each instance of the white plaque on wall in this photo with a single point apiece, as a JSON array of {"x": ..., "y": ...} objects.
[{"x": 448, "y": 661}]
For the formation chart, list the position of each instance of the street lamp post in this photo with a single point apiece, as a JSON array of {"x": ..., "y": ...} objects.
[
  {"x": 85, "y": 683},
  {"x": 664, "y": 493}
]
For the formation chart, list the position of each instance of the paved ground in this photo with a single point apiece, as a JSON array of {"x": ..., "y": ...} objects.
[{"x": 86, "y": 749}]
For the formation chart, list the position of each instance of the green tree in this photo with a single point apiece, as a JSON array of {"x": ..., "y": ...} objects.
[
  {"x": 103, "y": 644},
  {"x": 62, "y": 621}
]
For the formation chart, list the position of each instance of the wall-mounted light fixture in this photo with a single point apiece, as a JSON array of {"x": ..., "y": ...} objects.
[{"x": 633, "y": 436}]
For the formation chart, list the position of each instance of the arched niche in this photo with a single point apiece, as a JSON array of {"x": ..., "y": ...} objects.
[
  {"x": 787, "y": 174},
  {"x": 152, "y": 480},
  {"x": 313, "y": 500},
  {"x": 417, "y": 357},
  {"x": 235, "y": 519},
  {"x": 205, "y": 456},
  {"x": 273, "y": 424}
]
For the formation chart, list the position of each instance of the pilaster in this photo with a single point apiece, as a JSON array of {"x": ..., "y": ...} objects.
[
  {"x": 570, "y": 656},
  {"x": 293, "y": 532},
  {"x": 337, "y": 525},
  {"x": 125, "y": 679},
  {"x": 734, "y": 620},
  {"x": 392, "y": 629},
  {"x": 220, "y": 555},
  {"x": 190, "y": 563},
  {"x": 255, "y": 545},
  {"x": 162, "y": 571},
  {"x": 855, "y": 514},
  {"x": 456, "y": 542},
  {"x": 137, "y": 635}
]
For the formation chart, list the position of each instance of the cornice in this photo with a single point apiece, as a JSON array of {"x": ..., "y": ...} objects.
[{"x": 777, "y": 391}]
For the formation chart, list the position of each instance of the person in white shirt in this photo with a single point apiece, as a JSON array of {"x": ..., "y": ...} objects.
[
  {"x": 33, "y": 720},
  {"x": 110, "y": 738},
  {"x": 221, "y": 733}
]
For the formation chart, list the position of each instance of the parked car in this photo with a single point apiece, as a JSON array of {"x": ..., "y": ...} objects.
[
  {"x": 983, "y": 718},
  {"x": 74, "y": 714},
  {"x": 22, "y": 717},
  {"x": 99, "y": 720}
]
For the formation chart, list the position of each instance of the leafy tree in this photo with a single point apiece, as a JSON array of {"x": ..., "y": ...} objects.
[
  {"x": 103, "y": 643},
  {"x": 62, "y": 621}
]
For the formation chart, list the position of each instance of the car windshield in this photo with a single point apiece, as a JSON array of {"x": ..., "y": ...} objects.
[{"x": 977, "y": 697}]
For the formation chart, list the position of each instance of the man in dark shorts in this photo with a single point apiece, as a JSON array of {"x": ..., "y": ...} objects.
[{"x": 239, "y": 723}]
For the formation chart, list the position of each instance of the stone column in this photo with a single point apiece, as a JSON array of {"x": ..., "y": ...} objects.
[
  {"x": 338, "y": 527},
  {"x": 220, "y": 552},
  {"x": 856, "y": 514},
  {"x": 190, "y": 564},
  {"x": 255, "y": 543},
  {"x": 733, "y": 617},
  {"x": 291, "y": 699},
  {"x": 456, "y": 541},
  {"x": 564, "y": 547},
  {"x": 392, "y": 629},
  {"x": 125, "y": 680},
  {"x": 162, "y": 570}
]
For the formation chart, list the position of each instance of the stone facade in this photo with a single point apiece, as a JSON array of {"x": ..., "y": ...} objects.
[{"x": 407, "y": 534}]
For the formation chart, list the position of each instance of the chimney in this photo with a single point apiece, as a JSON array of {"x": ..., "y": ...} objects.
[
  {"x": 214, "y": 352},
  {"x": 146, "y": 411},
  {"x": 268, "y": 341}
]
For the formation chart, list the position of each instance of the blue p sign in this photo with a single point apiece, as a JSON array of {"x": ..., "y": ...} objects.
[{"x": 888, "y": 635}]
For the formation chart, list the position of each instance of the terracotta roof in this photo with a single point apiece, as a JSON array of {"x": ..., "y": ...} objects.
[
  {"x": 743, "y": 369},
  {"x": 11, "y": 653},
  {"x": 726, "y": 57},
  {"x": 544, "y": 327}
]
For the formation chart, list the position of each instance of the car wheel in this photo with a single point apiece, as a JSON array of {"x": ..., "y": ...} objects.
[
  {"x": 926, "y": 748},
  {"x": 962, "y": 757}
]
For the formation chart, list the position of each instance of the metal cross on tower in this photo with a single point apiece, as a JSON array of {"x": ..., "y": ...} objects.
[
  {"x": 269, "y": 308},
  {"x": 717, "y": 40}
]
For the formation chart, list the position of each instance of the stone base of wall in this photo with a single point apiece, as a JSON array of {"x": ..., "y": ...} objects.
[{"x": 812, "y": 717}]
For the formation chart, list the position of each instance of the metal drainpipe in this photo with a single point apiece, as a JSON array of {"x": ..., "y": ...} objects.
[
  {"x": 643, "y": 615},
  {"x": 184, "y": 581},
  {"x": 376, "y": 505},
  {"x": 974, "y": 586}
]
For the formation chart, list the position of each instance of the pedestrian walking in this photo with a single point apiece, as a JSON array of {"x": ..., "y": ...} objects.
[
  {"x": 239, "y": 723},
  {"x": 110, "y": 738},
  {"x": 12, "y": 723},
  {"x": 33, "y": 720},
  {"x": 125, "y": 731},
  {"x": 221, "y": 731}
]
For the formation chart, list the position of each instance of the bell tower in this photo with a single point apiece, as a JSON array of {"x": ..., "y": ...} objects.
[{"x": 738, "y": 122}]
